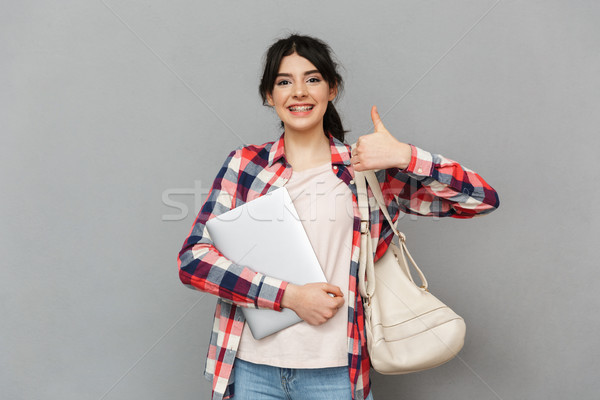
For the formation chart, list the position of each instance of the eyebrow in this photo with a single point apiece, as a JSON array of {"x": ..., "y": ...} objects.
[{"x": 312, "y": 71}]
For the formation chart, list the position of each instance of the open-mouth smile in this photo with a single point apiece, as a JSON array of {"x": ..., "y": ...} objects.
[{"x": 301, "y": 108}]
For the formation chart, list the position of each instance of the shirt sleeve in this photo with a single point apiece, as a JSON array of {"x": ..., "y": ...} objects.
[
  {"x": 432, "y": 185},
  {"x": 203, "y": 267}
]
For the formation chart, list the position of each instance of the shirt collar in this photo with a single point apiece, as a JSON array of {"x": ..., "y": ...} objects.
[{"x": 340, "y": 152}]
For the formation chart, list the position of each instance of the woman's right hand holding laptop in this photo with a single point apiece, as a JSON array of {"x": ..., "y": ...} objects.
[{"x": 315, "y": 302}]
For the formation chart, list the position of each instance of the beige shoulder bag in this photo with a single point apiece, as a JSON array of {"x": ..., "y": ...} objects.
[{"x": 408, "y": 329}]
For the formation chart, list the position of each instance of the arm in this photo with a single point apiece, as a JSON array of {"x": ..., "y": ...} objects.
[
  {"x": 433, "y": 185},
  {"x": 203, "y": 267},
  {"x": 419, "y": 182}
]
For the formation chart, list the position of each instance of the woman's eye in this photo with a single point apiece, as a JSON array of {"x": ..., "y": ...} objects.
[
  {"x": 282, "y": 83},
  {"x": 314, "y": 80}
]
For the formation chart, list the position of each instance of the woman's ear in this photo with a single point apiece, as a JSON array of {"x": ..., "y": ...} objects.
[
  {"x": 332, "y": 92},
  {"x": 270, "y": 100}
]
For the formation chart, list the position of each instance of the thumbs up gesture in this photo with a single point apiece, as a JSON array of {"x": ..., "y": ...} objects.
[{"x": 379, "y": 150}]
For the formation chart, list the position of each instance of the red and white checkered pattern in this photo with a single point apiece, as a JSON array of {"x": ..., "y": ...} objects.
[{"x": 431, "y": 185}]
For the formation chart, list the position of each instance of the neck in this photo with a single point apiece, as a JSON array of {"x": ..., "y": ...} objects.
[{"x": 305, "y": 149}]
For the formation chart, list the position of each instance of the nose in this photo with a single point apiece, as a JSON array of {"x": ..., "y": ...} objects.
[{"x": 300, "y": 90}]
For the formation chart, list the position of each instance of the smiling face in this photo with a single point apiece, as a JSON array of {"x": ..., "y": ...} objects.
[{"x": 300, "y": 95}]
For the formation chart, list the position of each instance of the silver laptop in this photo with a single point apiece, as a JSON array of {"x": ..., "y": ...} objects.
[{"x": 267, "y": 236}]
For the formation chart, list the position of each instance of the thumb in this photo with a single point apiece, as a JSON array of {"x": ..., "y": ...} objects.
[
  {"x": 376, "y": 119},
  {"x": 334, "y": 290}
]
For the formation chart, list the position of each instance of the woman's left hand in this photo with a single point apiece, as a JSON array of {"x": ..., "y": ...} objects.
[{"x": 379, "y": 150}]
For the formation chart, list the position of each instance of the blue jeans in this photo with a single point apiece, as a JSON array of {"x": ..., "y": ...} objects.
[{"x": 264, "y": 382}]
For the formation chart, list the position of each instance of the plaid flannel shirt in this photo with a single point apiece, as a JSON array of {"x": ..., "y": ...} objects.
[{"x": 431, "y": 185}]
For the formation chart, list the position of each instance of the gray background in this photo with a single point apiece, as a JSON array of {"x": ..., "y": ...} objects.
[{"x": 114, "y": 114}]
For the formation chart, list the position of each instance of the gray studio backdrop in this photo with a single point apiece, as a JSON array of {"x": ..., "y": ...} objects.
[{"x": 116, "y": 116}]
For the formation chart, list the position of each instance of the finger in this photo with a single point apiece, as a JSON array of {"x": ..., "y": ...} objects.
[
  {"x": 358, "y": 142},
  {"x": 376, "y": 119},
  {"x": 334, "y": 290}
]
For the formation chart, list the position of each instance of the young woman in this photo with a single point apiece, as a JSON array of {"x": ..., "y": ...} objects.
[{"x": 325, "y": 356}]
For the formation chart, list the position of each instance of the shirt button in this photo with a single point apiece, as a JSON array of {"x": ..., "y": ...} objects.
[
  {"x": 352, "y": 182},
  {"x": 420, "y": 170},
  {"x": 335, "y": 167}
]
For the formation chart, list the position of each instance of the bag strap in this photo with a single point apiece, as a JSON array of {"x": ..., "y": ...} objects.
[
  {"x": 376, "y": 189},
  {"x": 366, "y": 273},
  {"x": 366, "y": 268}
]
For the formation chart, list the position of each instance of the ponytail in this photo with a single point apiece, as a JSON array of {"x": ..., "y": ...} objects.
[{"x": 332, "y": 123}]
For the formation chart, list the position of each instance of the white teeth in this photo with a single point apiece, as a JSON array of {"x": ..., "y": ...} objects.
[{"x": 301, "y": 108}]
